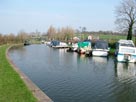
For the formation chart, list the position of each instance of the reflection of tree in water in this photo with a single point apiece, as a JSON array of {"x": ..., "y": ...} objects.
[{"x": 19, "y": 49}]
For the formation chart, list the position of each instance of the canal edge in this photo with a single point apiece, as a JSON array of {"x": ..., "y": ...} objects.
[{"x": 36, "y": 91}]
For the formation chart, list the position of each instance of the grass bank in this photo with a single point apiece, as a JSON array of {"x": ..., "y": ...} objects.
[{"x": 12, "y": 88}]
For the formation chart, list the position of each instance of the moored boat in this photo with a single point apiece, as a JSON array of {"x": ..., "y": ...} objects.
[
  {"x": 73, "y": 47},
  {"x": 84, "y": 47},
  {"x": 48, "y": 43},
  {"x": 58, "y": 44},
  {"x": 27, "y": 42},
  {"x": 125, "y": 51},
  {"x": 61, "y": 45},
  {"x": 101, "y": 48}
]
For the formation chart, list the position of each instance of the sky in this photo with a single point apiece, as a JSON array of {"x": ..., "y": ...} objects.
[{"x": 32, "y": 15}]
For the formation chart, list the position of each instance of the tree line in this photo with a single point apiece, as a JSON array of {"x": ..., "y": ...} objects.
[
  {"x": 12, "y": 38},
  {"x": 64, "y": 33}
]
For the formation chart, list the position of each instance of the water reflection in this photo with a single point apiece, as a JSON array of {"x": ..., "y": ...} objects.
[
  {"x": 125, "y": 70},
  {"x": 126, "y": 81},
  {"x": 62, "y": 52},
  {"x": 20, "y": 49},
  {"x": 100, "y": 59},
  {"x": 81, "y": 57}
]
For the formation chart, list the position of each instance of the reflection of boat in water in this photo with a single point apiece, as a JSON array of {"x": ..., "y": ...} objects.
[
  {"x": 100, "y": 59},
  {"x": 125, "y": 70}
]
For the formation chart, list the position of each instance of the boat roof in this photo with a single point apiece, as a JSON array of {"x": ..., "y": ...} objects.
[
  {"x": 101, "y": 44},
  {"x": 101, "y": 41},
  {"x": 126, "y": 42}
]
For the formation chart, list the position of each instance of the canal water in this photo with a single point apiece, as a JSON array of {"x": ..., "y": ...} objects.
[{"x": 69, "y": 77}]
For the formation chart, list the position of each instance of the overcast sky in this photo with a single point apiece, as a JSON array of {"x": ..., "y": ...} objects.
[{"x": 29, "y": 15}]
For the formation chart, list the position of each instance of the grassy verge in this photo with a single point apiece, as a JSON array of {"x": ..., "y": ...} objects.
[{"x": 12, "y": 88}]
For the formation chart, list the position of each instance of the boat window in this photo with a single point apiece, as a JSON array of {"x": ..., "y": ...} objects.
[
  {"x": 126, "y": 50},
  {"x": 101, "y": 45},
  {"x": 128, "y": 45}
]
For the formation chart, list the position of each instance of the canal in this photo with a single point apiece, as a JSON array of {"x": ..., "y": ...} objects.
[{"x": 69, "y": 77}]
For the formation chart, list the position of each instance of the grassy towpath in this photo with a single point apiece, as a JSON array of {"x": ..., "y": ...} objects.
[{"x": 12, "y": 88}]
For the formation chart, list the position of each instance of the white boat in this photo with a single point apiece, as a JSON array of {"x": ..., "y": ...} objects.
[
  {"x": 62, "y": 45},
  {"x": 73, "y": 47},
  {"x": 48, "y": 43},
  {"x": 125, "y": 51},
  {"x": 58, "y": 44},
  {"x": 100, "y": 48}
]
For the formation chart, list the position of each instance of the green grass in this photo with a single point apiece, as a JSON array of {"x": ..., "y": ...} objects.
[
  {"x": 114, "y": 37},
  {"x": 112, "y": 51},
  {"x": 12, "y": 88}
]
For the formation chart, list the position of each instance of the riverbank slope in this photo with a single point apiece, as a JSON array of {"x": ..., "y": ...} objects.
[{"x": 12, "y": 88}]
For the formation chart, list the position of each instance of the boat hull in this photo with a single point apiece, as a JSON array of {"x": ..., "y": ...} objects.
[
  {"x": 126, "y": 58},
  {"x": 100, "y": 53}
]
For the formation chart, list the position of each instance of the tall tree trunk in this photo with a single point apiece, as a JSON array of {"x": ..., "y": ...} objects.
[{"x": 129, "y": 36}]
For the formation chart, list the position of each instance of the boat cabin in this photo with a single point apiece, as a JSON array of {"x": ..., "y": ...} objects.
[{"x": 125, "y": 51}]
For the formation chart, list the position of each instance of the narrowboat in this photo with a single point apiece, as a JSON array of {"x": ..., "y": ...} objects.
[{"x": 58, "y": 44}]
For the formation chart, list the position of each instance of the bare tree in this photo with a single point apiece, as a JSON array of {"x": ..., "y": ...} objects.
[
  {"x": 83, "y": 29},
  {"x": 126, "y": 16},
  {"x": 66, "y": 33},
  {"x": 51, "y": 32},
  {"x": 22, "y": 36}
]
